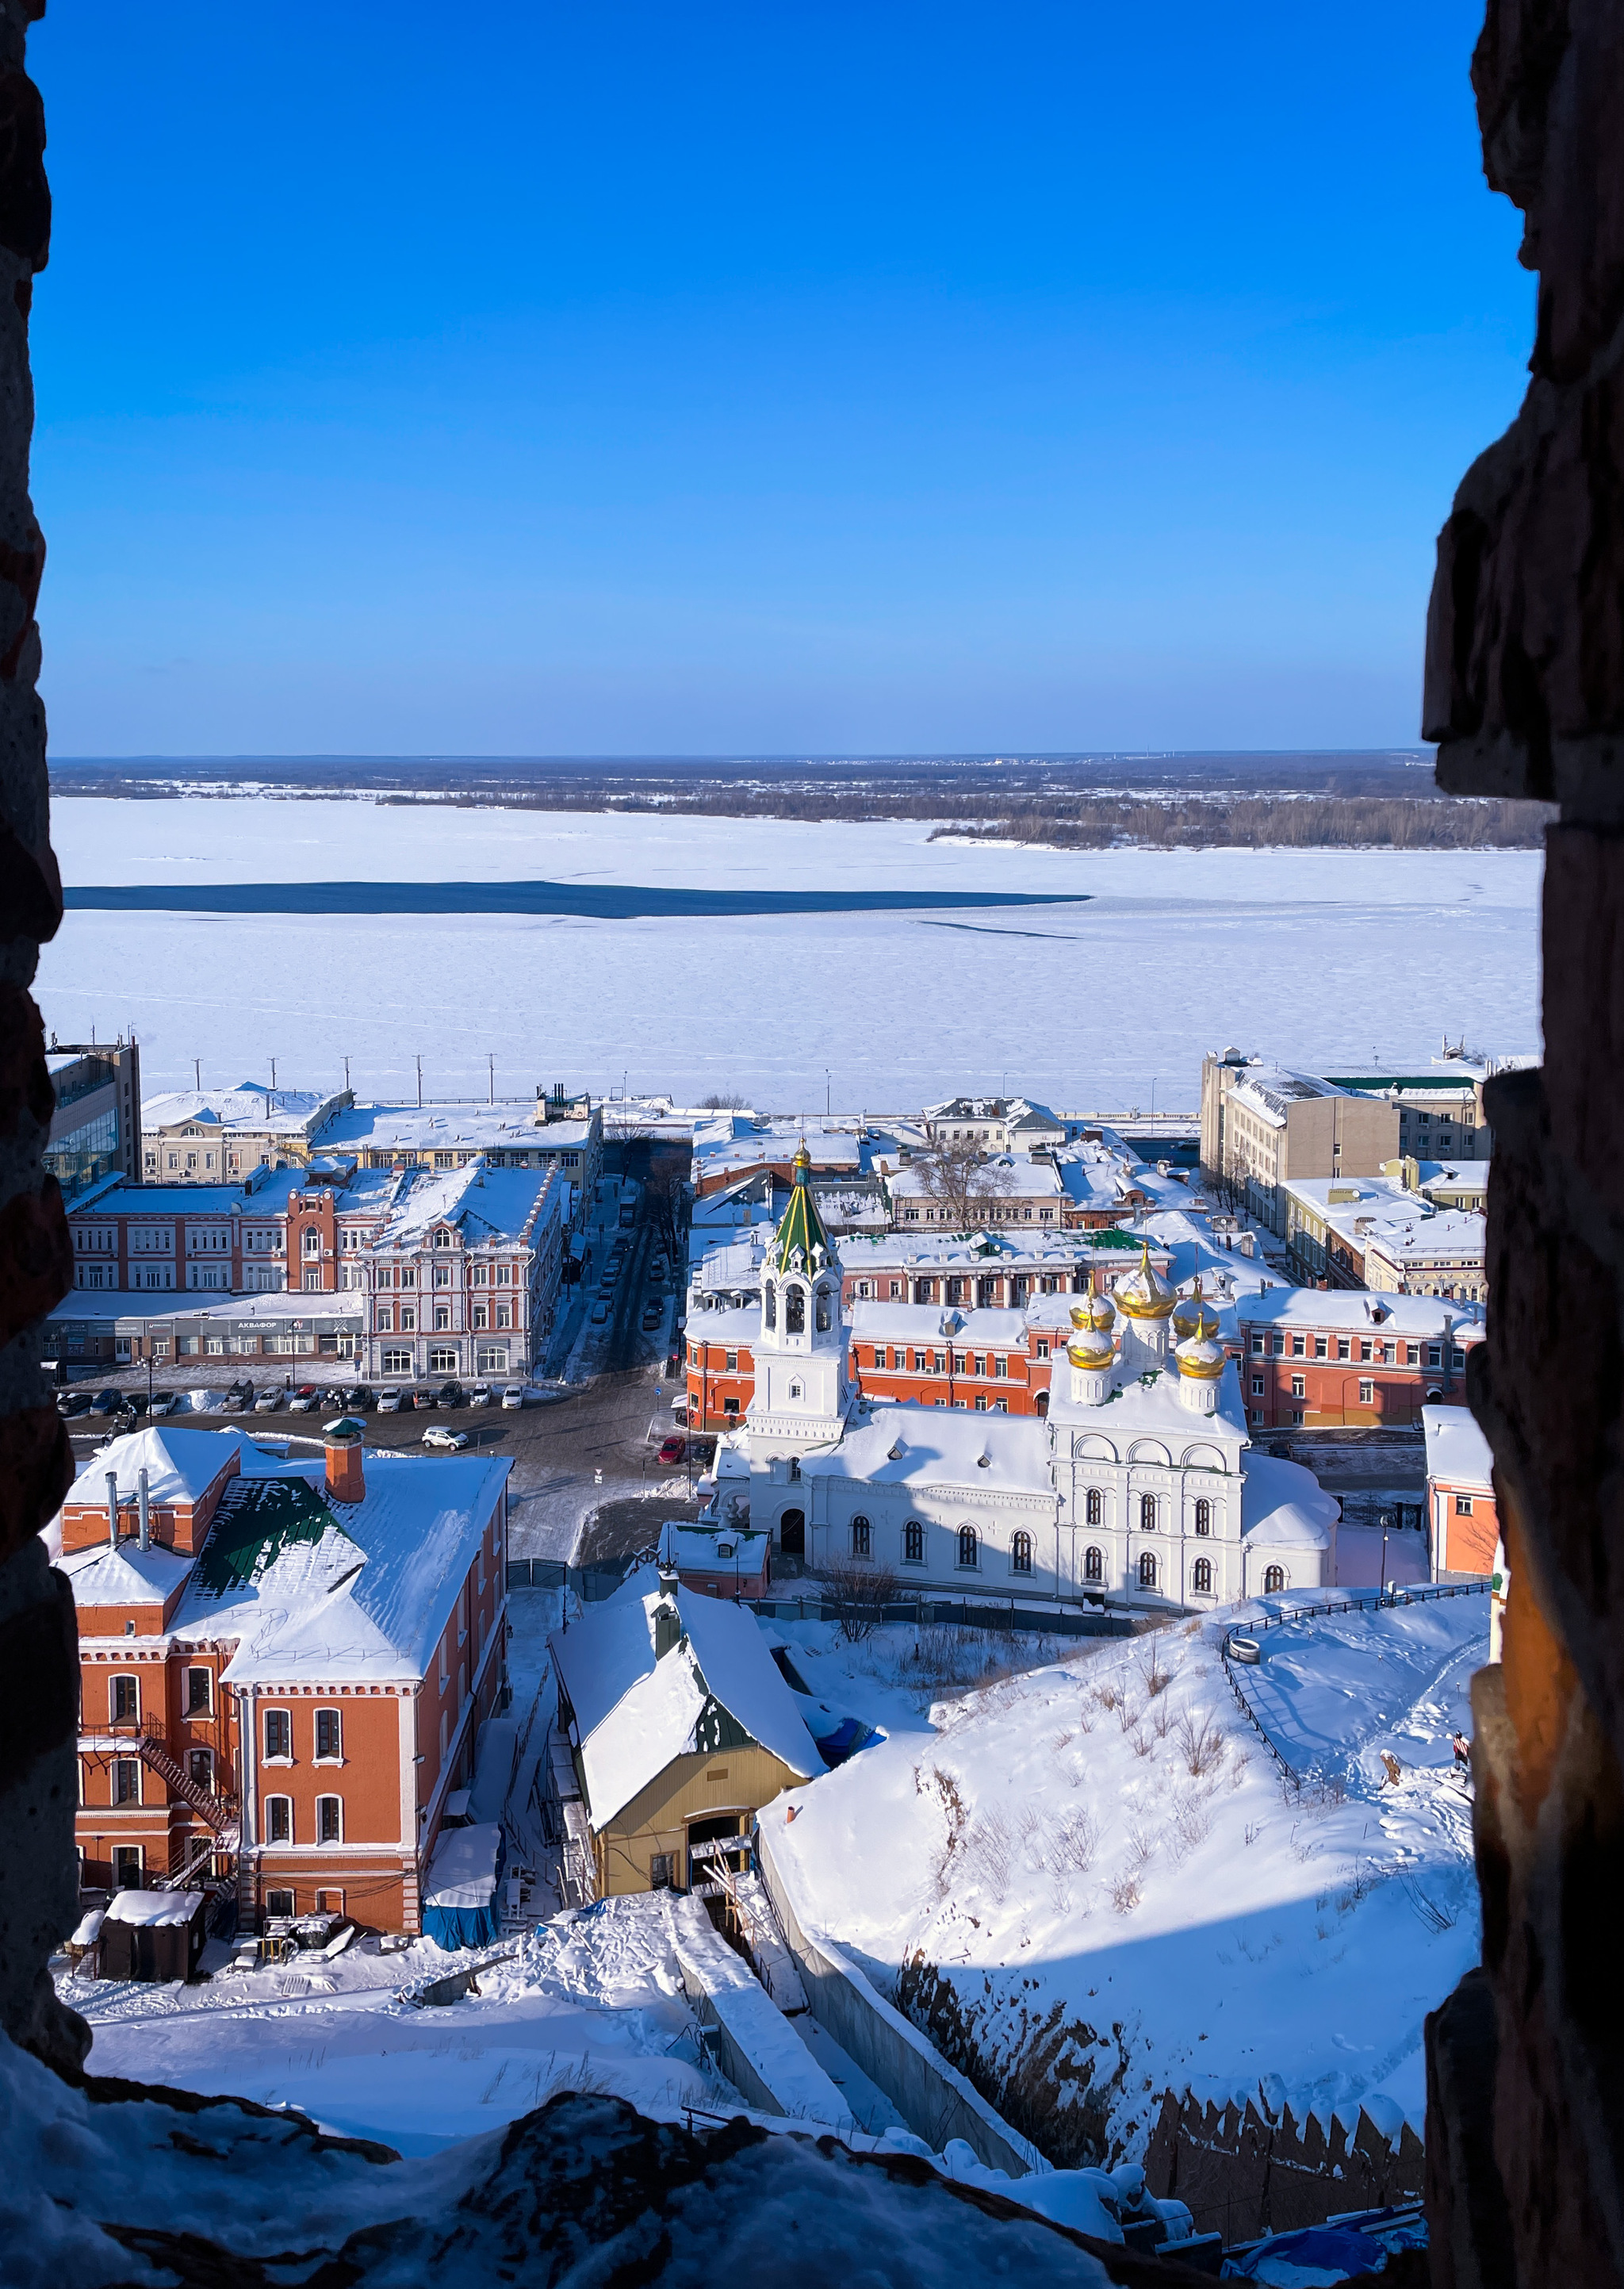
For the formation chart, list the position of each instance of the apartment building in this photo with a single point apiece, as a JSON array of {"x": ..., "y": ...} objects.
[
  {"x": 284, "y": 1665},
  {"x": 1425, "y": 1255},
  {"x": 1462, "y": 1511},
  {"x": 464, "y": 1273},
  {"x": 557, "y": 1134},
  {"x": 1001, "y": 1124},
  {"x": 1263, "y": 1127},
  {"x": 147, "y": 1238},
  {"x": 1333, "y": 1359},
  {"x": 212, "y": 1136}
]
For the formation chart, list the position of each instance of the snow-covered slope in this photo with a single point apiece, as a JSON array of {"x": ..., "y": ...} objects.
[{"x": 1094, "y": 1883}]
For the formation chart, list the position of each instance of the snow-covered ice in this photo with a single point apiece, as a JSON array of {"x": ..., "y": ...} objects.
[{"x": 1175, "y": 952}]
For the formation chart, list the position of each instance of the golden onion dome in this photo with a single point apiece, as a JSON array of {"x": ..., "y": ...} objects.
[
  {"x": 1103, "y": 1313},
  {"x": 1144, "y": 1294},
  {"x": 1198, "y": 1356},
  {"x": 1186, "y": 1316},
  {"x": 1081, "y": 1316},
  {"x": 803, "y": 1159},
  {"x": 1092, "y": 1353}
]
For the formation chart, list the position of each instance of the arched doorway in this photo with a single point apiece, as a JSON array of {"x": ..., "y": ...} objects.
[
  {"x": 1043, "y": 1402},
  {"x": 793, "y": 1534}
]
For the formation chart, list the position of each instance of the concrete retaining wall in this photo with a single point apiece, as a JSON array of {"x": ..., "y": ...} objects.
[
  {"x": 933, "y": 2099},
  {"x": 757, "y": 2047}
]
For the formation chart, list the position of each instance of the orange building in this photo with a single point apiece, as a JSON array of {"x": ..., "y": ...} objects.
[
  {"x": 285, "y": 1664},
  {"x": 1462, "y": 1513}
]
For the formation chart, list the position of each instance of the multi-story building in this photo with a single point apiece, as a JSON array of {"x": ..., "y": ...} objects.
[
  {"x": 144, "y": 1239},
  {"x": 734, "y": 1153},
  {"x": 1462, "y": 1512},
  {"x": 283, "y": 1664},
  {"x": 96, "y": 1128},
  {"x": 1320, "y": 1359},
  {"x": 1424, "y": 1255},
  {"x": 989, "y": 1272},
  {"x": 558, "y": 1134},
  {"x": 332, "y": 1219},
  {"x": 1001, "y": 1124},
  {"x": 279, "y": 1329},
  {"x": 1263, "y": 1126},
  {"x": 219, "y": 1135},
  {"x": 463, "y": 1274},
  {"x": 1328, "y": 1223},
  {"x": 1440, "y": 1113}
]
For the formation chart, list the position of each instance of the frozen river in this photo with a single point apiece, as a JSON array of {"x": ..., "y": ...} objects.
[{"x": 1326, "y": 959}]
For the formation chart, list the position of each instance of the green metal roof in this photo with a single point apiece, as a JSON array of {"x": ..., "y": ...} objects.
[
  {"x": 257, "y": 1520},
  {"x": 801, "y": 1226}
]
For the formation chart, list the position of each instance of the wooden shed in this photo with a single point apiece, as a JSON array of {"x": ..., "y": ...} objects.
[
  {"x": 679, "y": 1728},
  {"x": 153, "y": 1934}
]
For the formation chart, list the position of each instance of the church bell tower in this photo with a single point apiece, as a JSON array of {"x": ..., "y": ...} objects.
[{"x": 802, "y": 1393}]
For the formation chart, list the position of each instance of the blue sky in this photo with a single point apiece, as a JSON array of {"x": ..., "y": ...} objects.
[{"x": 772, "y": 379}]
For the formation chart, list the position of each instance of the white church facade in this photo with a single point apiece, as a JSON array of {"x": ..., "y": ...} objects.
[{"x": 1140, "y": 1486}]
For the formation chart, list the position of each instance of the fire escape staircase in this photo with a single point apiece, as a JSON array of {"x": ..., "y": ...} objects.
[{"x": 219, "y": 1812}]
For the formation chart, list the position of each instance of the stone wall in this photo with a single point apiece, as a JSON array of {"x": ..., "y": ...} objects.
[
  {"x": 38, "y": 1643},
  {"x": 1525, "y": 692}
]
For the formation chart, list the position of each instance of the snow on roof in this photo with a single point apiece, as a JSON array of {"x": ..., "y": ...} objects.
[
  {"x": 1360, "y": 1308},
  {"x": 893, "y": 1445},
  {"x": 635, "y": 1713},
  {"x": 829, "y": 1148},
  {"x": 735, "y": 1327},
  {"x": 288, "y": 1112},
  {"x": 1458, "y": 1455},
  {"x": 720, "y": 1550},
  {"x": 1283, "y": 1503},
  {"x": 920, "y": 1323},
  {"x": 153, "y": 1908},
  {"x": 487, "y": 1205},
  {"x": 463, "y": 1871},
  {"x": 313, "y": 1589},
  {"x": 125, "y": 1577},
  {"x": 443, "y": 1128},
  {"x": 1458, "y": 1233},
  {"x": 180, "y": 1465},
  {"x": 267, "y": 1196},
  {"x": 1009, "y": 1176}
]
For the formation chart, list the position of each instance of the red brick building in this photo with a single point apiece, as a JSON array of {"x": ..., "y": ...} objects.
[
  {"x": 1462, "y": 1511},
  {"x": 1320, "y": 1359},
  {"x": 188, "y": 1239},
  {"x": 267, "y": 1694}
]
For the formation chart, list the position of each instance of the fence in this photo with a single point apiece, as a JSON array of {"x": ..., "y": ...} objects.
[{"x": 1424, "y": 1594}]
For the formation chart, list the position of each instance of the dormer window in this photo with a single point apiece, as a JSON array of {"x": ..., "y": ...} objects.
[{"x": 442, "y": 1238}]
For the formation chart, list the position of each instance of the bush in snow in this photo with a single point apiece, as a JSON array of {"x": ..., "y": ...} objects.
[{"x": 1200, "y": 1744}]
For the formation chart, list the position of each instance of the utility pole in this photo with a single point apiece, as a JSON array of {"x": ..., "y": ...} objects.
[
  {"x": 273, "y": 1076},
  {"x": 347, "y": 1075},
  {"x": 419, "y": 1084},
  {"x": 491, "y": 1061},
  {"x": 827, "y": 1100},
  {"x": 197, "y": 1067}
]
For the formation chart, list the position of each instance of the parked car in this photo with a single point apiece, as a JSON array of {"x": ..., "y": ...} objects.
[
  {"x": 512, "y": 1394},
  {"x": 480, "y": 1396},
  {"x": 304, "y": 1398},
  {"x": 136, "y": 1401},
  {"x": 444, "y": 1441},
  {"x": 357, "y": 1398},
  {"x": 425, "y": 1398},
  {"x": 165, "y": 1402},
  {"x": 108, "y": 1402},
  {"x": 389, "y": 1399},
  {"x": 240, "y": 1398},
  {"x": 653, "y": 1313},
  {"x": 657, "y": 1268},
  {"x": 268, "y": 1401},
  {"x": 451, "y": 1394},
  {"x": 672, "y": 1449},
  {"x": 69, "y": 1403},
  {"x": 600, "y": 1315},
  {"x": 702, "y": 1451}
]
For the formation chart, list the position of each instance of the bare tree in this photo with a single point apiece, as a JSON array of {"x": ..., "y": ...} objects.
[
  {"x": 864, "y": 1589},
  {"x": 719, "y": 1102},
  {"x": 959, "y": 1182}
]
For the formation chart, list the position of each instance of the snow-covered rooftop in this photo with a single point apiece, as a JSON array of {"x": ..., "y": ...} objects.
[
  {"x": 265, "y": 1195},
  {"x": 635, "y": 1712},
  {"x": 1283, "y": 1503},
  {"x": 250, "y": 1105},
  {"x": 1457, "y": 1234},
  {"x": 180, "y": 1465},
  {"x": 446, "y": 1127},
  {"x": 922, "y": 1323},
  {"x": 488, "y": 1206},
  {"x": 1271, "y": 1090},
  {"x": 125, "y": 1577},
  {"x": 1360, "y": 1309},
  {"x": 890, "y": 1445},
  {"x": 1458, "y": 1455}
]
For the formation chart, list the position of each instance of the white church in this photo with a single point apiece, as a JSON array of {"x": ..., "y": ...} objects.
[{"x": 1140, "y": 1485}]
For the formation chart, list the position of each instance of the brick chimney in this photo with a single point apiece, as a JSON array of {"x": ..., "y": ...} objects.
[{"x": 345, "y": 1480}]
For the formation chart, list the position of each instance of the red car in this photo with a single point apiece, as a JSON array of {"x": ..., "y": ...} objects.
[{"x": 672, "y": 1449}]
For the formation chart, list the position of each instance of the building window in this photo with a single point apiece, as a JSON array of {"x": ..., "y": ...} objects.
[
  {"x": 797, "y": 1390},
  {"x": 127, "y": 1867},
  {"x": 1367, "y": 1394},
  {"x": 1147, "y": 1570},
  {"x": 329, "y": 1736},
  {"x": 491, "y": 1359},
  {"x": 279, "y": 1820},
  {"x": 1093, "y": 1565},
  {"x": 504, "y": 1315},
  {"x": 861, "y": 1538},
  {"x": 1257, "y": 1386},
  {"x": 481, "y": 1316},
  {"x": 397, "y": 1361},
  {"x": 1093, "y": 1507},
  {"x": 913, "y": 1543},
  {"x": 330, "y": 1820},
  {"x": 1020, "y": 1553},
  {"x": 126, "y": 1780},
  {"x": 442, "y": 1318},
  {"x": 732, "y": 1362},
  {"x": 197, "y": 1681},
  {"x": 443, "y": 1359},
  {"x": 200, "y": 1769},
  {"x": 1300, "y": 1389},
  {"x": 1201, "y": 1579},
  {"x": 1147, "y": 1513},
  {"x": 1299, "y": 1346},
  {"x": 124, "y": 1699},
  {"x": 1274, "y": 1579},
  {"x": 1463, "y": 1505},
  {"x": 279, "y": 1734},
  {"x": 969, "y": 1547},
  {"x": 279, "y": 1904},
  {"x": 794, "y": 1310},
  {"x": 1203, "y": 1516},
  {"x": 1257, "y": 1346},
  {"x": 660, "y": 1871}
]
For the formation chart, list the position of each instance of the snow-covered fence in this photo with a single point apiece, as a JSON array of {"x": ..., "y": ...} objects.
[
  {"x": 962, "y": 1613},
  {"x": 933, "y": 2099}
]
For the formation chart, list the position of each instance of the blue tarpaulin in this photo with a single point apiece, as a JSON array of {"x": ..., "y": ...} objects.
[{"x": 459, "y": 1899}]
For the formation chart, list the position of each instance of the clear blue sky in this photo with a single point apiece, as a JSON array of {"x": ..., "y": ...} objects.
[{"x": 718, "y": 378}]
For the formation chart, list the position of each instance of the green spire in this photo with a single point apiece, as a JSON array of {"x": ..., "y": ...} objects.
[{"x": 801, "y": 1227}]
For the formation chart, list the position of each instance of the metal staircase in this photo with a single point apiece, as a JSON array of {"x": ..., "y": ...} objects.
[{"x": 151, "y": 1744}]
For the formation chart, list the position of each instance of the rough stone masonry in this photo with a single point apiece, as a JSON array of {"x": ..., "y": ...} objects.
[{"x": 1524, "y": 694}]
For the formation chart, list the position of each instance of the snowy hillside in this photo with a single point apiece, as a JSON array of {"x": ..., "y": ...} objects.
[{"x": 1096, "y": 1884}]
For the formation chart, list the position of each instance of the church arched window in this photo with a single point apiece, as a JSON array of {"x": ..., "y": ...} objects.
[
  {"x": 822, "y": 1318},
  {"x": 861, "y": 1538},
  {"x": 1094, "y": 1565},
  {"x": 769, "y": 1305},
  {"x": 1094, "y": 1508},
  {"x": 1201, "y": 1581},
  {"x": 1147, "y": 1570},
  {"x": 1021, "y": 1553},
  {"x": 969, "y": 1546},
  {"x": 1203, "y": 1516},
  {"x": 795, "y": 1309},
  {"x": 1274, "y": 1579},
  {"x": 1147, "y": 1513},
  {"x": 797, "y": 1390}
]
